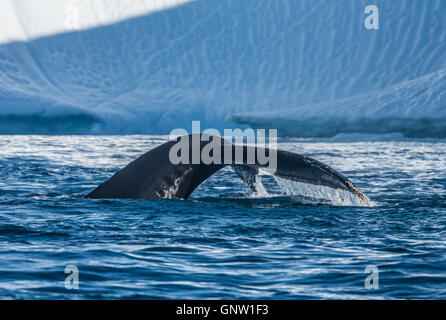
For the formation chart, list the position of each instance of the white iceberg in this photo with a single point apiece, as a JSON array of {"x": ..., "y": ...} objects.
[{"x": 152, "y": 66}]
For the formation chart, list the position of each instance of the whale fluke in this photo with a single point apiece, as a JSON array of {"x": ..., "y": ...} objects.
[{"x": 154, "y": 176}]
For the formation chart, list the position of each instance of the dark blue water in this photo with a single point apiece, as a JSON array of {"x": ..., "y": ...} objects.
[{"x": 223, "y": 242}]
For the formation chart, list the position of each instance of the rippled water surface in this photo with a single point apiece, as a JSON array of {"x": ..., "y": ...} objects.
[{"x": 222, "y": 242}]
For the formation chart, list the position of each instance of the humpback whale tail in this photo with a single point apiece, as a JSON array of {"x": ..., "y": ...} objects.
[{"x": 154, "y": 176}]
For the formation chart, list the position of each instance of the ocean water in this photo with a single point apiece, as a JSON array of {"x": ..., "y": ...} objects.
[{"x": 223, "y": 242}]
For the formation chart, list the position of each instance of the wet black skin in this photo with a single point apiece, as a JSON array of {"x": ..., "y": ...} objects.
[{"x": 153, "y": 176}]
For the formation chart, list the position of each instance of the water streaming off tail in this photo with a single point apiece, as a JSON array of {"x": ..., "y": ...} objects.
[
  {"x": 272, "y": 186},
  {"x": 316, "y": 194},
  {"x": 261, "y": 190}
]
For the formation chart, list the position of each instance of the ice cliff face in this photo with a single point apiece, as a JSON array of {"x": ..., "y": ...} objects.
[{"x": 291, "y": 65}]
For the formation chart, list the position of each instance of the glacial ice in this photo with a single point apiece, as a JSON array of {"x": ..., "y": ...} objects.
[{"x": 308, "y": 68}]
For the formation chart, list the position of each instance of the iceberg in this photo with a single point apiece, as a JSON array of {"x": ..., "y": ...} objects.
[
  {"x": 306, "y": 67},
  {"x": 415, "y": 108}
]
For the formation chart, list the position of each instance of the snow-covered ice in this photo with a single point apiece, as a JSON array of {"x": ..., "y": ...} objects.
[{"x": 23, "y": 20}]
